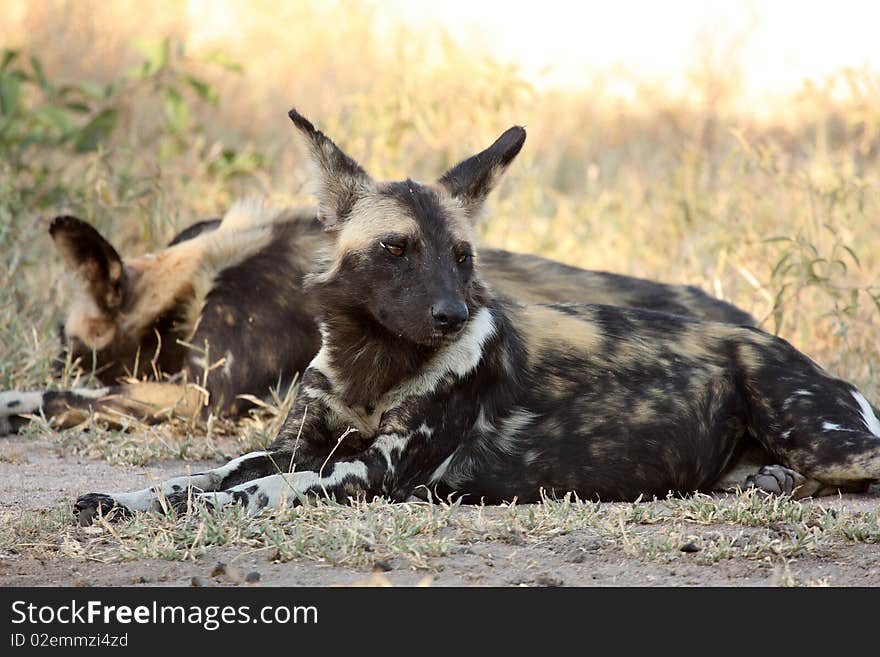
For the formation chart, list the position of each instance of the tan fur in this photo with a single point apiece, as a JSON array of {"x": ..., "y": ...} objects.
[
  {"x": 183, "y": 272},
  {"x": 371, "y": 218},
  {"x": 545, "y": 328},
  {"x": 88, "y": 323},
  {"x": 461, "y": 225},
  {"x": 374, "y": 216},
  {"x": 530, "y": 283}
]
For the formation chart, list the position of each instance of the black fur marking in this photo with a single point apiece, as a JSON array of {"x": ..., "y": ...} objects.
[
  {"x": 258, "y": 317},
  {"x": 473, "y": 178},
  {"x": 195, "y": 230},
  {"x": 97, "y": 262},
  {"x": 342, "y": 176}
]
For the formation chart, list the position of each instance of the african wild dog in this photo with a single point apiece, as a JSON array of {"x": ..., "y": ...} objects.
[
  {"x": 221, "y": 313},
  {"x": 449, "y": 385}
]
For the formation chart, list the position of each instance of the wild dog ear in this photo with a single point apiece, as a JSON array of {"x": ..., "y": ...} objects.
[
  {"x": 471, "y": 180},
  {"x": 93, "y": 258},
  {"x": 341, "y": 180}
]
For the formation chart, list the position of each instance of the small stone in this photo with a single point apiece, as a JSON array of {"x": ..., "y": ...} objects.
[
  {"x": 591, "y": 545},
  {"x": 234, "y": 574},
  {"x": 576, "y": 556},
  {"x": 382, "y": 566},
  {"x": 690, "y": 546},
  {"x": 547, "y": 580},
  {"x": 199, "y": 582},
  {"x": 252, "y": 577},
  {"x": 219, "y": 569}
]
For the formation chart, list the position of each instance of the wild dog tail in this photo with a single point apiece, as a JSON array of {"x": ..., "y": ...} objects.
[{"x": 249, "y": 212}]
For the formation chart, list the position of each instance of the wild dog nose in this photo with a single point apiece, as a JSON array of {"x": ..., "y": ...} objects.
[{"x": 449, "y": 315}]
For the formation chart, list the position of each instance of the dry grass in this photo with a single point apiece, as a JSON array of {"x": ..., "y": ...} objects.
[
  {"x": 744, "y": 527},
  {"x": 779, "y": 216}
]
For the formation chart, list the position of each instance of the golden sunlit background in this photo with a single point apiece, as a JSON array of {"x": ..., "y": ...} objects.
[{"x": 733, "y": 146}]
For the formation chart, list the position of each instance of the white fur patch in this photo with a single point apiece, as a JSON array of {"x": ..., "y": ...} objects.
[
  {"x": 831, "y": 426},
  {"x": 531, "y": 456},
  {"x": 91, "y": 393},
  {"x": 459, "y": 358},
  {"x": 15, "y": 402},
  {"x": 247, "y": 213},
  {"x": 441, "y": 469},
  {"x": 390, "y": 443},
  {"x": 482, "y": 425},
  {"x": 227, "y": 365},
  {"x": 868, "y": 417},
  {"x": 282, "y": 487}
]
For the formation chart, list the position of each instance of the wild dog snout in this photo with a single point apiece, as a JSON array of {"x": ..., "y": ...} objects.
[{"x": 449, "y": 315}]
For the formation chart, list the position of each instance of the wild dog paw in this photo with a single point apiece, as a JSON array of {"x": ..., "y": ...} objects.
[
  {"x": 90, "y": 505},
  {"x": 778, "y": 480},
  {"x": 12, "y": 424}
]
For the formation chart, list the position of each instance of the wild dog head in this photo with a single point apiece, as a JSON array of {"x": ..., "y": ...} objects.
[
  {"x": 117, "y": 313},
  {"x": 403, "y": 261}
]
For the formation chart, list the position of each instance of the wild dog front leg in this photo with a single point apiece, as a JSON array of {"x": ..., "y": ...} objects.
[
  {"x": 278, "y": 459},
  {"x": 243, "y": 468},
  {"x": 396, "y": 463}
]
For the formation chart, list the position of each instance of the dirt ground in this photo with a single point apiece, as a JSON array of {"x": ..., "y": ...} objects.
[{"x": 35, "y": 474}]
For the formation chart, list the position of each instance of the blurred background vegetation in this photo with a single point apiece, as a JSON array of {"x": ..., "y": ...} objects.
[{"x": 141, "y": 119}]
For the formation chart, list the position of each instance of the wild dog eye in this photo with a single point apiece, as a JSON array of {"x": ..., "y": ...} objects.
[
  {"x": 463, "y": 254},
  {"x": 396, "y": 250}
]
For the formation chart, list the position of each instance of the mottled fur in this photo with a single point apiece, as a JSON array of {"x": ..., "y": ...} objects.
[{"x": 520, "y": 400}]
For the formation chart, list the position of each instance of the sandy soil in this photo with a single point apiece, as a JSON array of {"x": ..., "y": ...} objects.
[{"x": 35, "y": 475}]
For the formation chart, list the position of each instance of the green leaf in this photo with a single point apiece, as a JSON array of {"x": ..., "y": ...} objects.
[
  {"x": 88, "y": 90},
  {"x": 852, "y": 254},
  {"x": 95, "y": 131},
  {"x": 176, "y": 111},
  {"x": 55, "y": 117},
  {"x": 203, "y": 90},
  {"x": 223, "y": 60},
  {"x": 10, "y": 94},
  {"x": 8, "y": 57},
  {"x": 81, "y": 108},
  {"x": 40, "y": 76},
  {"x": 779, "y": 265},
  {"x": 156, "y": 53}
]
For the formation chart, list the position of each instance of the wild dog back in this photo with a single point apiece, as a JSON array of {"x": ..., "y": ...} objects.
[{"x": 533, "y": 279}]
